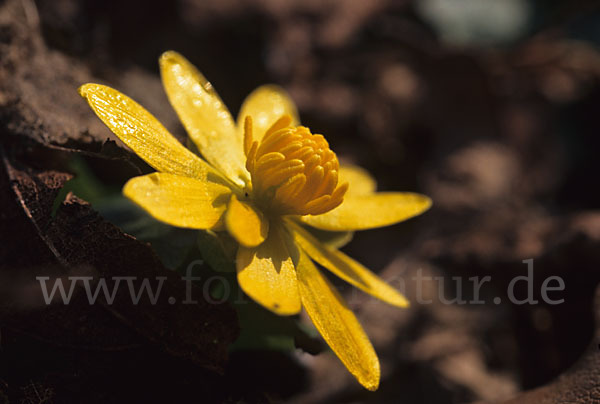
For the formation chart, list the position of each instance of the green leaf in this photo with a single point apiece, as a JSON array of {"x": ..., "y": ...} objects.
[
  {"x": 84, "y": 184},
  {"x": 218, "y": 250},
  {"x": 171, "y": 244},
  {"x": 264, "y": 330}
]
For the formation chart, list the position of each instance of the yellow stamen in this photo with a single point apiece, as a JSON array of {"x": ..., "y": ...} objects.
[{"x": 293, "y": 171}]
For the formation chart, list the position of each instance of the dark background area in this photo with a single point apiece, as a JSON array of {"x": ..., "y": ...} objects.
[{"x": 489, "y": 107}]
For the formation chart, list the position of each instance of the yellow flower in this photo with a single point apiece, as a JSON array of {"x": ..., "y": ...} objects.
[{"x": 264, "y": 180}]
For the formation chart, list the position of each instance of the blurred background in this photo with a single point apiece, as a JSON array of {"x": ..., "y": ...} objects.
[{"x": 490, "y": 107}]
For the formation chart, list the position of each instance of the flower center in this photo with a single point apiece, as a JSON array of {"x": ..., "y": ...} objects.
[{"x": 293, "y": 171}]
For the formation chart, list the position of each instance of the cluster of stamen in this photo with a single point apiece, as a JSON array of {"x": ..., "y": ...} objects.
[{"x": 293, "y": 171}]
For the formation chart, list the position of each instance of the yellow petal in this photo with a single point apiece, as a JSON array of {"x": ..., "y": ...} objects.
[
  {"x": 337, "y": 324},
  {"x": 333, "y": 239},
  {"x": 142, "y": 132},
  {"x": 205, "y": 117},
  {"x": 266, "y": 105},
  {"x": 346, "y": 268},
  {"x": 361, "y": 212},
  {"x": 266, "y": 273},
  {"x": 179, "y": 201},
  {"x": 361, "y": 182},
  {"x": 246, "y": 224}
]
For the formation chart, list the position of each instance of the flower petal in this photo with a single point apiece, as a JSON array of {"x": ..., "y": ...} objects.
[
  {"x": 267, "y": 274},
  {"x": 333, "y": 239},
  {"x": 361, "y": 182},
  {"x": 246, "y": 224},
  {"x": 142, "y": 132},
  {"x": 179, "y": 201},
  {"x": 361, "y": 212},
  {"x": 346, "y": 268},
  {"x": 266, "y": 105},
  {"x": 205, "y": 117},
  {"x": 337, "y": 324}
]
